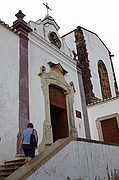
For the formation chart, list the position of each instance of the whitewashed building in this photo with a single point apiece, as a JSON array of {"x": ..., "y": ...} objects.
[
  {"x": 65, "y": 86},
  {"x": 100, "y": 84}
]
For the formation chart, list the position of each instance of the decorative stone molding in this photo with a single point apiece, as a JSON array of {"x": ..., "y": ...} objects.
[
  {"x": 56, "y": 77},
  {"x": 84, "y": 61},
  {"x": 104, "y": 80},
  {"x": 21, "y": 26}
]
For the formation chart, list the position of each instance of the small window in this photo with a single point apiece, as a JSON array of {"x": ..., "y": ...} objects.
[{"x": 54, "y": 39}]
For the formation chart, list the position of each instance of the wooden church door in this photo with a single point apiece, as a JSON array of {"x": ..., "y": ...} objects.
[
  {"x": 58, "y": 112},
  {"x": 110, "y": 130}
]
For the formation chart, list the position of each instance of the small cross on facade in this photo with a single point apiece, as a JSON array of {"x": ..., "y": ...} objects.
[{"x": 46, "y": 5}]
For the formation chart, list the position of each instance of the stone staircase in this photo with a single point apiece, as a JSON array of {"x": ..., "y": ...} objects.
[
  {"x": 10, "y": 166},
  {"x": 44, "y": 156},
  {"x": 17, "y": 169}
]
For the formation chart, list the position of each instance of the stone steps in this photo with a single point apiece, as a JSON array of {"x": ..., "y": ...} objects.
[
  {"x": 10, "y": 166},
  {"x": 44, "y": 156}
]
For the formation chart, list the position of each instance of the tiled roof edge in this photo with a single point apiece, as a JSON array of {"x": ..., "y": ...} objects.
[
  {"x": 102, "y": 101},
  {"x": 8, "y": 27}
]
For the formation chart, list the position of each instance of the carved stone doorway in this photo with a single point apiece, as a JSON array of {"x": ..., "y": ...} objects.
[{"x": 59, "y": 120}]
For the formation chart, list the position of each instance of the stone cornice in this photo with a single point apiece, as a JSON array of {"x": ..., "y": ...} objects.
[{"x": 21, "y": 25}]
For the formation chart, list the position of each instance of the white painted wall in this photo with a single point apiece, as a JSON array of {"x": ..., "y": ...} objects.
[
  {"x": 69, "y": 44},
  {"x": 100, "y": 110},
  {"x": 9, "y": 83},
  {"x": 98, "y": 51},
  {"x": 81, "y": 160},
  {"x": 40, "y": 53}
]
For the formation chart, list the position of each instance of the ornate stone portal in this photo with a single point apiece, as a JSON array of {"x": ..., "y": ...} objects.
[{"x": 56, "y": 77}]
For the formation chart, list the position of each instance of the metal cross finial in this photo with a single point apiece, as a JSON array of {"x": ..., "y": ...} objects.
[{"x": 46, "y": 5}]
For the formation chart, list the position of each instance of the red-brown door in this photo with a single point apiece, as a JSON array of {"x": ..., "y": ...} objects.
[
  {"x": 59, "y": 123},
  {"x": 57, "y": 97},
  {"x": 58, "y": 111},
  {"x": 110, "y": 130}
]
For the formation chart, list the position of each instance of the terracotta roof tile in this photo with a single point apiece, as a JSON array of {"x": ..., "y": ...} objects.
[
  {"x": 9, "y": 27},
  {"x": 102, "y": 101}
]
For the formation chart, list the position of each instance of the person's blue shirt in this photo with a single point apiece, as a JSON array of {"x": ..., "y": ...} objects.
[{"x": 27, "y": 135}]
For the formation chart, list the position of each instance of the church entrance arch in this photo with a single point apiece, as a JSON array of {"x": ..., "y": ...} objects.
[
  {"x": 58, "y": 113},
  {"x": 58, "y": 104}
]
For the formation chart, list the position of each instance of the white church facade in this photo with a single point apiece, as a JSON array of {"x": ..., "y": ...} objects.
[{"x": 65, "y": 86}]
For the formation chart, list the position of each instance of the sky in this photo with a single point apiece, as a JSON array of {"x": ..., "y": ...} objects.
[{"x": 98, "y": 16}]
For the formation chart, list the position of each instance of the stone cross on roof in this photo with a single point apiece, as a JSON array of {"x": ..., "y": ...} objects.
[{"x": 46, "y": 5}]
